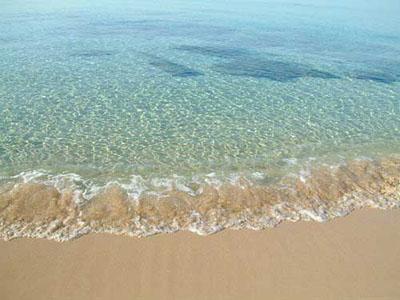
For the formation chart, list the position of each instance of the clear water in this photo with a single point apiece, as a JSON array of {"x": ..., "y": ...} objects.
[{"x": 107, "y": 89}]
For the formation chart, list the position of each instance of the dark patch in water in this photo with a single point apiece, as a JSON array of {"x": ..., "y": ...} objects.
[
  {"x": 377, "y": 77},
  {"x": 242, "y": 62},
  {"x": 220, "y": 52},
  {"x": 383, "y": 71},
  {"x": 270, "y": 69},
  {"x": 92, "y": 53},
  {"x": 174, "y": 69}
]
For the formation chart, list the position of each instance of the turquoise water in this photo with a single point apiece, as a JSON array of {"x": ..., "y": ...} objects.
[{"x": 109, "y": 89}]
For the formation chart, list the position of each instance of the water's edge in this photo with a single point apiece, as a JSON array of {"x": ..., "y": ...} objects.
[{"x": 33, "y": 207}]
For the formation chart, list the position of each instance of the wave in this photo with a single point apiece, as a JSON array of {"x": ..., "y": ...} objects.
[{"x": 66, "y": 206}]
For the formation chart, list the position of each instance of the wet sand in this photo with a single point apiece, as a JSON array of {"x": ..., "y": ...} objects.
[
  {"x": 355, "y": 257},
  {"x": 45, "y": 209}
]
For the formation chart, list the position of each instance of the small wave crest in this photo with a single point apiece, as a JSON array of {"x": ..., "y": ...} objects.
[{"x": 66, "y": 206}]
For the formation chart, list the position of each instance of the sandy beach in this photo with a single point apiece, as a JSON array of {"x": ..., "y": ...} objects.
[
  {"x": 355, "y": 257},
  {"x": 200, "y": 150}
]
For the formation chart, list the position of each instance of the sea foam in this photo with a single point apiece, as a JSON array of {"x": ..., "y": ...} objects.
[{"x": 62, "y": 207}]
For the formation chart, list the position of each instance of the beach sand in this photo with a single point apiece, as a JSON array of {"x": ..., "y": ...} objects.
[{"x": 355, "y": 257}]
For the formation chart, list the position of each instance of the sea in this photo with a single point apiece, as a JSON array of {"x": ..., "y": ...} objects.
[{"x": 143, "y": 117}]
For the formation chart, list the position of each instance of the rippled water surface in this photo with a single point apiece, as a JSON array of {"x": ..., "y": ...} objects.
[{"x": 197, "y": 91}]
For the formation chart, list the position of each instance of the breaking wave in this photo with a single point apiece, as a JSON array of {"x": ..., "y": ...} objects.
[{"x": 63, "y": 207}]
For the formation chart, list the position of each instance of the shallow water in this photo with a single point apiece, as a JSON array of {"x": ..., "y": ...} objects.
[{"x": 188, "y": 97}]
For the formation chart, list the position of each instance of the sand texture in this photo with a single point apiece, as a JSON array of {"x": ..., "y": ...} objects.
[{"x": 354, "y": 257}]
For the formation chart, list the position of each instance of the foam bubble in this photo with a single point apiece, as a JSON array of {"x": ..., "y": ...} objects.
[{"x": 66, "y": 206}]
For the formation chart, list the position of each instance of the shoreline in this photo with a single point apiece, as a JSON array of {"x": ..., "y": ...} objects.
[
  {"x": 46, "y": 210},
  {"x": 354, "y": 257}
]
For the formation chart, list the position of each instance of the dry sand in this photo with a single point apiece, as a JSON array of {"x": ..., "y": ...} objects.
[{"x": 356, "y": 257}]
